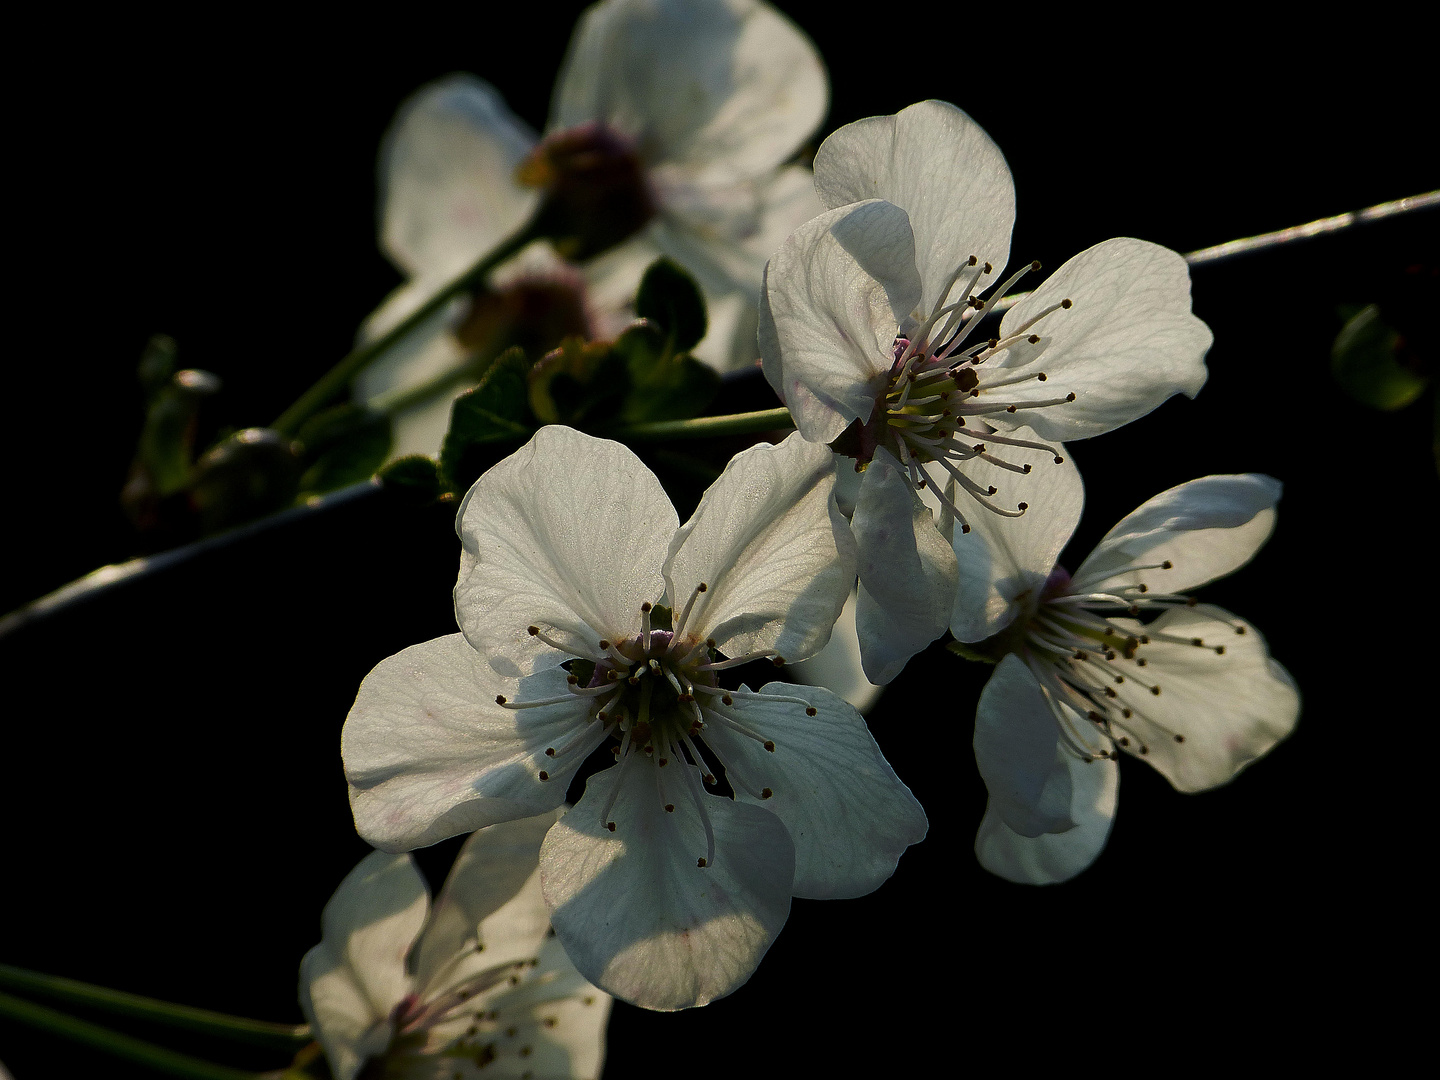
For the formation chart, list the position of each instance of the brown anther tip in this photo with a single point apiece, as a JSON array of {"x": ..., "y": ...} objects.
[
  {"x": 727, "y": 699},
  {"x": 1239, "y": 630},
  {"x": 669, "y": 808},
  {"x": 1026, "y": 470},
  {"x": 1155, "y": 690},
  {"x": 544, "y": 775},
  {"x": 964, "y": 528},
  {"x": 1126, "y": 713},
  {"x": 1041, "y": 376},
  {"x": 645, "y": 607},
  {"x": 534, "y": 631},
  {"x": 610, "y": 825},
  {"x": 700, "y": 862},
  {"x": 994, "y": 341},
  {"x": 702, "y": 587},
  {"x": 603, "y": 643},
  {"x": 993, "y": 490},
  {"x": 1059, "y": 460},
  {"x": 1066, "y": 303},
  {"x": 663, "y": 762},
  {"x": 1141, "y": 662},
  {"x": 1219, "y": 650},
  {"x": 710, "y": 643},
  {"x": 573, "y": 680},
  {"x": 766, "y": 793},
  {"x": 1197, "y": 641},
  {"x": 1035, "y": 265},
  {"x": 769, "y": 746},
  {"x": 1034, "y": 339},
  {"x": 1095, "y": 716},
  {"x": 988, "y": 268},
  {"x": 549, "y": 751},
  {"x": 1167, "y": 565},
  {"x": 778, "y": 661},
  {"x": 1010, "y": 408},
  {"x": 1143, "y": 587},
  {"x": 810, "y": 710},
  {"x": 1022, "y": 506},
  {"x": 499, "y": 699},
  {"x": 1179, "y": 738},
  {"x": 1124, "y": 741},
  {"x": 973, "y": 261}
]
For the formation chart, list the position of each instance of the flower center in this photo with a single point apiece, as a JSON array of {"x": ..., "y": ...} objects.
[
  {"x": 938, "y": 395},
  {"x": 1085, "y": 658}
]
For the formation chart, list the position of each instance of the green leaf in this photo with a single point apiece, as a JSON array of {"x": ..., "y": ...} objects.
[
  {"x": 495, "y": 412},
  {"x": 415, "y": 477},
  {"x": 583, "y": 384},
  {"x": 1364, "y": 363},
  {"x": 664, "y": 385},
  {"x": 343, "y": 445},
  {"x": 669, "y": 297}
]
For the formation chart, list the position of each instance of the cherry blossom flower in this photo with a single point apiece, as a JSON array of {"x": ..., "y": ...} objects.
[
  {"x": 1117, "y": 657},
  {"x": 590, "y": 615},
  {"x": 690, "y": 107},
  {"x": 476, "y": 986},
  {"x": 868, "y": 335}
]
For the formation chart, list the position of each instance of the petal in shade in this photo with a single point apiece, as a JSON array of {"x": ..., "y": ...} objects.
[
  {"x": 835, "y": 293},
  {"x": 1206, "y": 528},
  {"x": 353, "y": 979},
  {"x": 837, "y": 668},
  {"x": 907, "y": 571},
  {"x": 1004, "y": 561},
  {"x": 487, "y": 888},
  {"x": 1015, "y": 751},
  {"x": 940, "y": 167},
  {"x": 447, "y": 168},
  {"x": 637, "y": 915},
  {"x": 773, "y": 549},
  {"x": 429, "y": 754},
  {"x": 1054, "y": 857},
  {"x": 726, "y": 88},
  {"x": 576, "y": 563},
  {"x": 848, "y": 814},
  {"x": 1215, "y": 711},
  {"x": 1127, "y": 343}
]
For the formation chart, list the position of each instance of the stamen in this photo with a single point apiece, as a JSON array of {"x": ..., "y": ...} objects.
[{"x": 685, "y": 614}]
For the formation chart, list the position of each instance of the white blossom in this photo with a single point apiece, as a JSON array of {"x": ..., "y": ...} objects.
[
  {"x": 709, "y": 97},
  {"x": 1117, "y": 657},
  {"x": 589, "y": 615},
  {"x": 867, "y": 334},
  {"x": 475, "y": 986}
]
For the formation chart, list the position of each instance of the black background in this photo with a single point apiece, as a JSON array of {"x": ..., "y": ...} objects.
[{"x": 169, "y": 766}]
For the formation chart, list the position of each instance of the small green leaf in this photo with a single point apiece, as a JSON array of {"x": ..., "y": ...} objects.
[
  {"x": 582, "y": 384},
  {"x": 669, "y": 297},
  {"x": 494, "y": 412},
  {"x": 1364, "y": 363},
  {"x": 415, "y": 477},
  {"x": 664, "y": 385},
  {"x": 343, "y": 445}
]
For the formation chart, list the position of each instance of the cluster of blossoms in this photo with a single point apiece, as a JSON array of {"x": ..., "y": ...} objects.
[{"x": 928, "y": 486}]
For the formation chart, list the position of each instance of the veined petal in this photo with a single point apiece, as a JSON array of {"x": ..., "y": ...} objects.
[
  {"x": 429, "y": 753},
  {"x": 568, "y": 534},
  {"x": 447, "y": 167},
  {"x": 353, "y": 979},
  {"x": 1215, "y": 712},
  {"x": 907, "y": 571},
  {"x": 726, "y": 87},
  {"x": 836, "y": 667},
  {"x": 835, "y": 295},
  {"x": 1126, "y": 344},
  {"x": 1003, "y": 561},
  {"x": 849, "y": 815},
  {"x": 492, "y": 895},
  {"x": 774, "y": 550},
  {"x": 1205, "y": 528},
  {"x": 1016, "y": 738},
  {"x": 1054, "y": 857},
  {"x": 636, "y": 914},
  {"x": 940, "y": 167}
]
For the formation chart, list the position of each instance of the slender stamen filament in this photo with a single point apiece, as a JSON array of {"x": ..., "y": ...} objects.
[
  {"x": 689, "y": 606},
  {"x": 536, "y": 632},
  {"x": 759, "y": 654}
]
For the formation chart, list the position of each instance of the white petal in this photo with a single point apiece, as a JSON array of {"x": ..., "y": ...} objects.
[
  {"x": 447, "y": 168},
  {"x": 835, "y": 294},
  {"x": 774, "y": 550},
  {"x": 940, "y": 167},
  {"x": 1128, "y": 342},
  {"x": 1055, "y": 857},
  {"x": 837, "y": 667},
  {"x": 429, "y": 754},
  {"x": 1016, "y": 752},
  {"x": 568, "y": 534},
  {"x": 1004, "y": 561},
  {"x": 907, "y": 571},
  {"x": 849, "y": 815},
  {"x": 729, "y": 88},
  {"x": 633, "y": 909},
  {"x": 492, "y": 894},
  {"x": 353, "y": 979},
  {"x": 1205, "y": 528},
  {"x": 1215, "y": 713}
]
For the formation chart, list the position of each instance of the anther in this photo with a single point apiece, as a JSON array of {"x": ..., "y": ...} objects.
[
  {"x": 1035, "y": 265},
  {"x": 700, "y": 862},
  {"x": 769, "y": 746},
  {"x": 1066, "y": 303},
  {"x": 610, "y": 825},
  {"x": 669, "y": 808},
  {"x": 550, "y": 751},
  {"x": 499, "y": 699},
  {"x": 766, "y": 793},
  {"x": 811, "y": 711},
  {"x": 645, "y": 607},
  {"x": 1021, "y": 506},
  {"x": 1041, "y": 376},
  {"x": 544, "y": 775},
  {"x": 1179, "y": 738},
  {"x": 1167, "y": 565},
  {"x": 1034, "y": 339}
]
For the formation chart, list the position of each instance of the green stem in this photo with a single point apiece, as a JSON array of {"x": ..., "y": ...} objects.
[
  {"x": 707, "y": 427},
  {"x": 337, "y": 378},
  {"x": 128, "y": 1047},
  {"x": 243, "y": 1029}
]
